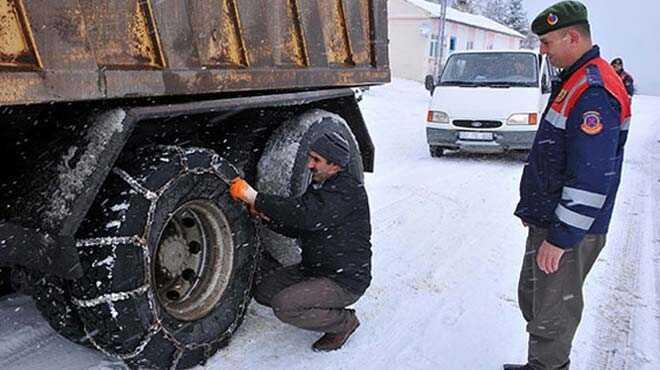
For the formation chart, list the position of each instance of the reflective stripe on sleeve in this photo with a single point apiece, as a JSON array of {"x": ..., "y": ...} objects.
[
  {"x": 587, "y": 198},
  {"x": 626, "y": 124},
  {"x": 574, "y": 219},
  {"x": 556, "y": 119}
]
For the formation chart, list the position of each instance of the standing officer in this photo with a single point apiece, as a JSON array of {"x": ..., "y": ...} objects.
[
  {"x": 332, "y": 221},
  {"x": 569, "y": 184},
  {"x": 628, "y": 82}
]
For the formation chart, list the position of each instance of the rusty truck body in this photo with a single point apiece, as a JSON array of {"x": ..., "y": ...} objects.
[{"x": 121, "y": 124}]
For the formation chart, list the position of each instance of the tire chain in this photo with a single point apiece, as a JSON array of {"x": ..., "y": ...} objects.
[{"x": 157, "y": 325}]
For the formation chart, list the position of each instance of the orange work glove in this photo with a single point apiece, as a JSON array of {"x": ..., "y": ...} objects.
[{"x": 241, "y": 190}]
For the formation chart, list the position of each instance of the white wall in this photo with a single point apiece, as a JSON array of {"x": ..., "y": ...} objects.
[
  {"x": 411, "y": 30},
  {"x": 481, "y": 39},
  {"x": 408, "y": 47}
]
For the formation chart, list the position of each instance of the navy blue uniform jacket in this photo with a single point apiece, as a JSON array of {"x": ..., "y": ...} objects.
[{"x": 573, "y": 171}]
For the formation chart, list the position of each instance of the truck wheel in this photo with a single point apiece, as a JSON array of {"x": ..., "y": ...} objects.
[
  {"x": 282, "y": 169},
  {"x": 436, "y": 151},
  {"x": 53, "y": 300},
  {"x": 5, "y": 284},
  {"x": 168, "y": 260}
]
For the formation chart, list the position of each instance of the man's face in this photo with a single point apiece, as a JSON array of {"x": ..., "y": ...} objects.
[
  {"x": 556, "y": 45},
  {"x": 617, "y": 67},
  {"x": 321, "y": 169}
]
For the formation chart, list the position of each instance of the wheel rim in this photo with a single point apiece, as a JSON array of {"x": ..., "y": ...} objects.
[{"x": 193, "y": 260}]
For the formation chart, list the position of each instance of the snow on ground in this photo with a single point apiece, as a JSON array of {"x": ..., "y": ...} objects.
[{"x": 447, "y": 253}]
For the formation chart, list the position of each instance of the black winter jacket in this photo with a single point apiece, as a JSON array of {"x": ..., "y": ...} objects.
[
  {"x": 628, "y": 82},
  {"x": 332, "y": 221}
]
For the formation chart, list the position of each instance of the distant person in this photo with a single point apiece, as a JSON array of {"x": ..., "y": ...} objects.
[
  {"x": 569, "y": 183},
  {"x": 617, "y": 64},
  {"x": 332, "y": 221}
]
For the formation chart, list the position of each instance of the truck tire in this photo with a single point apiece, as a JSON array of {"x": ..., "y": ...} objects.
[
  {"x": 50, "y": 296},
  {"x": 53, "y": 300},
  {"x": 282, "y": 169},
  {"x": 168, "y": 258},
  {"x": 5, "y": 283}
]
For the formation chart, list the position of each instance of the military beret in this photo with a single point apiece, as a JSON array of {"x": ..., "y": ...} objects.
[{"x": 560, "y": 15}]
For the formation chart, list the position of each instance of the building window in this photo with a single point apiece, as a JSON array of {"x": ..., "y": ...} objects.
[
  {"x": 433, "y": 48},
  {"x": 452, "y": 43}
]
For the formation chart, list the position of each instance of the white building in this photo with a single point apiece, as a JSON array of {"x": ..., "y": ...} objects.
[{"x": 414, "y": 33}]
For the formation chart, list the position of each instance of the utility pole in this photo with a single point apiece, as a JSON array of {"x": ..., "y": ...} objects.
[{"x": 441, "y": 42}]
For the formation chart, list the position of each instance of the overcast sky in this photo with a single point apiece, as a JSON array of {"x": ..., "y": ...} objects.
[{"x": 628, "y": 29}]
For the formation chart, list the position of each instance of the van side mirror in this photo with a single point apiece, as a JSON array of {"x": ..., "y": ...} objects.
[{"x": 429, "y": 83}]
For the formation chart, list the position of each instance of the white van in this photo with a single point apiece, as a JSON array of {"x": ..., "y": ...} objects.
[{"x": 488, "y": 101}]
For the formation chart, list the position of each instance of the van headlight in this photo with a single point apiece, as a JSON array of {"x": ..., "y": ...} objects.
[
  {"x": 522, "y": 119},
  {"x": 437, "y": 117}
]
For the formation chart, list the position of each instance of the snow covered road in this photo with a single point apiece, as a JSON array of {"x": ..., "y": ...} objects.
[{"x": 447, "y": 253}]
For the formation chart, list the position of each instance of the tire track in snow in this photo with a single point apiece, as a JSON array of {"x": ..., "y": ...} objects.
[
  {"x": 613, "y": 347},
  {"x": 22, "y": 339},
  {"x": 11, "y": 356}
]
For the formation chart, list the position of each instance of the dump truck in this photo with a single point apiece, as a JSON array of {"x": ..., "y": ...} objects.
[{"x": 122, "y": 123}]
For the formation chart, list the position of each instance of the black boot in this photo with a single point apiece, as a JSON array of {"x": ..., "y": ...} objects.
[{"x": 530, "y": 367}]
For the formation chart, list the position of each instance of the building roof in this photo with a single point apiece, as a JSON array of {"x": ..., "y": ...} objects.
[{"x": 458, "y": 16}]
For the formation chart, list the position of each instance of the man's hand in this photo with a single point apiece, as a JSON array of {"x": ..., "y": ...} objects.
[
  {"x": 241, "y": 190},
  {"x": 256, "y": 214},
  {"x": 548, "y": 257}
]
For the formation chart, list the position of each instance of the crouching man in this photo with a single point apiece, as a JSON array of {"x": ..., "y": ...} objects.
[{"x": 331, "y": 219}]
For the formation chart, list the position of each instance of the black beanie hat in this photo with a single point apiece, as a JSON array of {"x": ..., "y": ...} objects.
[{"x": 333, "y": 147}]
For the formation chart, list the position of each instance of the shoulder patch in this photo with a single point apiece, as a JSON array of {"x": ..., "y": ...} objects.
[
  {"x": 591, "y": 123},
  {"x": 593, "y": 76}
]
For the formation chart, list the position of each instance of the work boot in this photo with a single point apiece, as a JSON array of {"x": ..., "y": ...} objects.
[
  {"x": 334, "y": 341},
  {"x": 530, "y": 367}
]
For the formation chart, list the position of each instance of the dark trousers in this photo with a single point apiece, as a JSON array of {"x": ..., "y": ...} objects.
[
  {"x": 312, "y": 303},
  {"x": 552, "y": 303}
]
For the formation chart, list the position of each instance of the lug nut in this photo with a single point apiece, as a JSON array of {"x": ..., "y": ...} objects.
[
  {"x": 173, "y": 295},
  {"x": 189, "y": 275},
  {"x": 194, "y": 247},
  {"x": 188, "y": 222}
]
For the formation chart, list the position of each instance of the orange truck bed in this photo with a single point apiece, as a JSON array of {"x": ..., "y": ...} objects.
[{"x": 73, "y": 50}]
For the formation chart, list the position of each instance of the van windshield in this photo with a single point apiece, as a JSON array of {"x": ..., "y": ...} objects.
[{"x": 491, "y": 69}]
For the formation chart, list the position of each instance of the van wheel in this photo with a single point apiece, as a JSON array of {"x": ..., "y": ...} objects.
[
  {"x": 282, "y": 169},
  {"x": 436, "y": 151},
  {"x": 168, "y": 260}
]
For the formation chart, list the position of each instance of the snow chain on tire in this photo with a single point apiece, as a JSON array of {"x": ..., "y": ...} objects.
[
  {"x": 53, "y": 300},
  {"x": 120, "y": 302}
]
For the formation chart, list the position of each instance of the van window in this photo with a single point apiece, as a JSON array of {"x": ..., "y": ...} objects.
[{"x": 513, "y": 69}]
